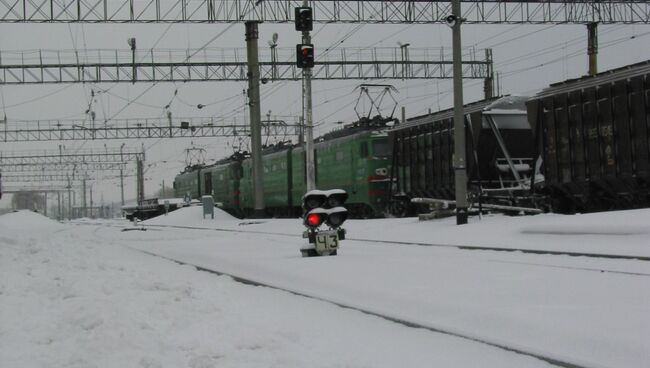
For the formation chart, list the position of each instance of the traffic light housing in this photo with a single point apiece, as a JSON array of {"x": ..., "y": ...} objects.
[
  {"x": 305, "y": 55},
  {"x": 304, "y": 19},
  {"x": 324, "y": 206}
]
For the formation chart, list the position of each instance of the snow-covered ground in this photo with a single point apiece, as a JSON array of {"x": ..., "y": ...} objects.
[{"x": 85, "y": 295}]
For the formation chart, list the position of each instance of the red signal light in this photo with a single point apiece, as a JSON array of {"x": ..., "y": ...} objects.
[{"x": 314, "y": 219}]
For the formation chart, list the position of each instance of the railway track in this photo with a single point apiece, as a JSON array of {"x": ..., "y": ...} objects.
[
  {"x": 424, "y": 244},
  {"x": 500, "y": 345},
  {"x": 549, "y": 357}
]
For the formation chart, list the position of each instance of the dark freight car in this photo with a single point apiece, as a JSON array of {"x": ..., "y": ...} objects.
[
  {"x": 499, "y": 151},
  {"x": 592, "y": 134}
]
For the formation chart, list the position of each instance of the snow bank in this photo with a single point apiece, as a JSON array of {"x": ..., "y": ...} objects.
[
  {"x": 633, "y": 222},
  {"x": 27, "y": 221},
  {"x": 80, "y": 299},
  {"x": 192, "y": 216}
]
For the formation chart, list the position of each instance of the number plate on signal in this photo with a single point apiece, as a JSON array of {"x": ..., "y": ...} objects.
[{"x": 327, "y": 241}]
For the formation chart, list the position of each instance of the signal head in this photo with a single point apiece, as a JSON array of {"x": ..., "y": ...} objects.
[
  {"x": 315, "y": 218},
  {"x": 305, "y": 55},
  {"x": 313, "y": 199},
  {"x": 304, "y": 20},
  {"x": 336, "y": 217},
  {"x": 336, "y": 197}
]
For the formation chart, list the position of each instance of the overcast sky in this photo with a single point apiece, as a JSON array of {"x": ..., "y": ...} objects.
[{"x": 528, "y": 58}]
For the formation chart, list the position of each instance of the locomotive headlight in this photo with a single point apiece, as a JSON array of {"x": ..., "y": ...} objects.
[{"x": 381, "y": 171}]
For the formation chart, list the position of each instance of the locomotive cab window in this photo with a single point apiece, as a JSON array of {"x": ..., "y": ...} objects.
[{"x": 380, "y": 148}]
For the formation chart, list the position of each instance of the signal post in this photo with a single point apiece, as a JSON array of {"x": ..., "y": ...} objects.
[{"x": 305, "y": 61}]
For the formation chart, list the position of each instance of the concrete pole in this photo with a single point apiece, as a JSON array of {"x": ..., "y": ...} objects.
[
  {"x": 459, "y": 125},
  {"x": 592, "y": 47},
  {"x": 488, "y": 85},
  {"x": 310, "y": 166},
  {"x": 58, "y": 205},
  {"x": 140, "y": 181},
  {"x": 91, "y": 201},
  {"x": 122, "y": 185},
  {"x": 255, "y": 116},
  {"x": 69, "y": 200},
  {"x": 45, "y": 209},
  {"x": 84, "y": 212}
]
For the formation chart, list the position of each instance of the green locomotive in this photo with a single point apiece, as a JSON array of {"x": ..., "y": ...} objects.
[{"x": 355, "y": 159}]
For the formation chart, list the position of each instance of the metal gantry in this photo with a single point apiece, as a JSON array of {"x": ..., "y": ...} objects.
[
  {"x": 64, "y": 167},
  {"x": 39, "y": 188},
  {"x": 95, "y": 66},
  {"x": 52, "y": 176},
  {"x": 79, "y": 157},
  {"x": 325, "y": 11},
  {"x": 67, "y": 130}
]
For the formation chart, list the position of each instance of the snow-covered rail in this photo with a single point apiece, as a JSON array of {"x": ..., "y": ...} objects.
[
  {"x": 501, "y": 345},
  {"x": 426, "y": 244}
]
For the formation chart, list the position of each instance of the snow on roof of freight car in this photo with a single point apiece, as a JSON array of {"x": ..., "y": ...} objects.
[
  {"x": 612, "y": 75},
  {"x": 497, "y": 103}
]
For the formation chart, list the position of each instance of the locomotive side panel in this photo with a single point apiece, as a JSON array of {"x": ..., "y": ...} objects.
[
  {"x": 276, "y": 181},
  {"x": 225, "y": 186}
]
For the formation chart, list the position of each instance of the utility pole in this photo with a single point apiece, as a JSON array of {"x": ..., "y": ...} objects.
[
  {"x": 459, "y": 122},
  {"x": 134, "y": 69},
  {"x": 308, "y": 113},
  {"x": 140, "y": 181},
  {"x": 69, "y": 200},
  {"x": 84, "y": 212},
  {"x": 122, "y": 185},
  {"x": 488, "y": 85},
  {"x": 122, "y": 173},
  {"x": 58, "y": 205},
  {"x": 255, "y": 115},
  {"x": 592, "y": 47}
]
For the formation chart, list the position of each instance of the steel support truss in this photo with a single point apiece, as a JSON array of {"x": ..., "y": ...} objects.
[
  {"x": 63, "y": 167},
  {"x": 52, "y": 176},
  {"x": 96, "y": 66},
  {"x": 40, "y": 188},
  {"x": 67, "y": 130},
  {"x": 332, "y": 11},
  {"x": 45, "y": 158}
]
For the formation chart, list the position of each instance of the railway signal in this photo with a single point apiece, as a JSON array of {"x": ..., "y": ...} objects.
[
  {"x": 305, "y": 55},
  {"x": 323, "y": 207},
  {"x": 304, "y": 19}
]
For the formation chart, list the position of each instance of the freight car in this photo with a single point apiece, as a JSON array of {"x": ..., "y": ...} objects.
[
  {"x": 354, "y": 158},
  {"x": 592, "y": 134},
  {"x": 499, "y": 154}
]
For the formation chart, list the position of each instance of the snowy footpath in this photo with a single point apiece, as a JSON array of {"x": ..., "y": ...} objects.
[{"x": 87, "y": 294}]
